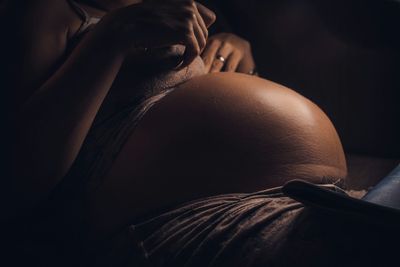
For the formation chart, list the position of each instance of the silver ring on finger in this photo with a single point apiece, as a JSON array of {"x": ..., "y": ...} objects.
[{"x": 221, "y": 58}]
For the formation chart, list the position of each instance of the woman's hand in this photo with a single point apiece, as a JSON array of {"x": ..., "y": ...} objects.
[
  {"x": 157, "y": 24},
  {"x": 228, "y": 52}
]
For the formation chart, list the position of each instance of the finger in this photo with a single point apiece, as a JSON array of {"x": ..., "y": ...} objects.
[
  {"x": 192, "y": 49},
  {"x": 224, "y": 51},
  {"x": 246, "y": 65},
  {"x": 233, "y": 61},
  {"x": 201, "y": 22},
  {"x": 217, "y": 65},
  {"x": 208, "y": 15},
  {"x": 198, "y": 32},
  {"x": 190, "y": 33},
  {"x": 210, "y": 53}
]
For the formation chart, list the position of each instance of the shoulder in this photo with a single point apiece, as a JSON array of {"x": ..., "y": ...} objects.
[
  {"x": 44, "y": 16},
  {"x": 37, "y": 37}
]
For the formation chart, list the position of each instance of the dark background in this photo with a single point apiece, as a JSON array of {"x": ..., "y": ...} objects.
[{"x": 342, "y": 54}]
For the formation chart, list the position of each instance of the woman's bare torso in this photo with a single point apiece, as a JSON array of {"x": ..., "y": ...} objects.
[
  {"x": 218, "y": 133},
  {"x": 215, "y": 133}
]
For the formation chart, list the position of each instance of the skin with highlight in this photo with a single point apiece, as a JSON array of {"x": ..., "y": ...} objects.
[{"x": 215, "y": 133}]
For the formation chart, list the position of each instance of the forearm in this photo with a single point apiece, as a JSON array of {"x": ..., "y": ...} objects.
[{"x": 53, "y": 124}]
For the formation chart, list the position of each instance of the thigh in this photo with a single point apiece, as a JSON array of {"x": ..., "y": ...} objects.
[{"x": 216, "y": 134}]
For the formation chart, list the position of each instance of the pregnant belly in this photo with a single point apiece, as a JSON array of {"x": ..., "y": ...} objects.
[{"x": 222, "y": 133}]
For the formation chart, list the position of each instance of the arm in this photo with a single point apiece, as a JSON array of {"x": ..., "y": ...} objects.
[
  {"x": 56, "y": 108},
  {"x": 53, "y": 110}
]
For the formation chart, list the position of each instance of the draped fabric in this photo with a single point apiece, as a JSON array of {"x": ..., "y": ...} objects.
[{"x": 264, "y": 228}]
